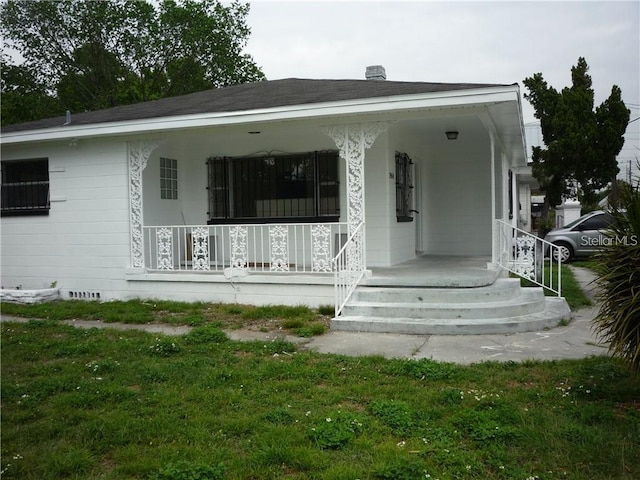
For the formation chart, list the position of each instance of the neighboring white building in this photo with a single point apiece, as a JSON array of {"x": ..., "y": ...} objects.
[{"x": 247, "y": 193}]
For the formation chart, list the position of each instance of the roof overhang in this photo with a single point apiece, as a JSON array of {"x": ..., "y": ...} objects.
[{"x": 502, "y": 103}]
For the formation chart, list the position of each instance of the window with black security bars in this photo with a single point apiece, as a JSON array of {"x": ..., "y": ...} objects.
[
  {"x": 404, "y": 187},
  {"x": 25, "y": 187},
  {"x": 273, "y": 188}
]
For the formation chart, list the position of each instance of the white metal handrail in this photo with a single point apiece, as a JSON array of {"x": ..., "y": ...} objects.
[
  {"x": 348, "y": 268},
  {"x": 529, "y": 257},
  {"x": 307, "y": 248}
]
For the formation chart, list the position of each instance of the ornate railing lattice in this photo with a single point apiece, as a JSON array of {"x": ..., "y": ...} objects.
[
  {"x": 529, "y": 257},
  {"x": 260, "y": 248}
]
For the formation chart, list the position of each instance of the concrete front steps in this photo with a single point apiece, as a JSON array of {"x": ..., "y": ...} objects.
[{"x": 502, "y": 307}]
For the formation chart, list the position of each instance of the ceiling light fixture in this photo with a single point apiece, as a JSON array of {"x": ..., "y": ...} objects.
[{"x": 452, "y": 134}]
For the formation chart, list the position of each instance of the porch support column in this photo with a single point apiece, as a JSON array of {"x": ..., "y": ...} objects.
[
  {"x": 494, "y": 140},
  {"x": 494, "y": 226},
  {"x": 352, "y": 140},
  {"x": 138, "y": 153}
]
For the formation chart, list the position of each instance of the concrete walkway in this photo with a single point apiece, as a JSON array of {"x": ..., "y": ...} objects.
[{"x": 575, "y": 340}]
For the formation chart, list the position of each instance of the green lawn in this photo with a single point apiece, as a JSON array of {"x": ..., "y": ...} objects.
[{"x": 106, "y": 404}]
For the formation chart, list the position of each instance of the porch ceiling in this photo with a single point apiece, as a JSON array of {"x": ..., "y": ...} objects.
[
  {"x": 472, "y": 124},
  {"x": 430, "y": 132},
  {"x": 427, "y": 126}
]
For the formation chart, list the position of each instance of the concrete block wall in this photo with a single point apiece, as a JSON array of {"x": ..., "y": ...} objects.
[{"x": 83, "y": 244}]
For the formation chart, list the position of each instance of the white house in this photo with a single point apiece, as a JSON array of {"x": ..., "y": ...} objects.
[{"x": 247, "y": 193}]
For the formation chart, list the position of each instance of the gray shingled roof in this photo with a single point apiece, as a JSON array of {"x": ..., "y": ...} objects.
[{"x": 250, "y": 96}]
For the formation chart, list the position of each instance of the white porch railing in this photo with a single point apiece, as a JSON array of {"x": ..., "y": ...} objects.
[
  {"x": 529, "y": 257},
  {"x": 348, "y": 267},
  {"x": 274, "y": 248}
]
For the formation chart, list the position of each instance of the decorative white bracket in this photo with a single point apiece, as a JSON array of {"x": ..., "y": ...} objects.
[
  {"x": 352, "y": 140},
  {"x": 138, "y": 153}
]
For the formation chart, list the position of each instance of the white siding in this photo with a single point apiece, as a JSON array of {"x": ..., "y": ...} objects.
[
  {"x": 83, "y": 244},
  {"x": 456, "y": 203},
  {"x": 377, "y": 208}
]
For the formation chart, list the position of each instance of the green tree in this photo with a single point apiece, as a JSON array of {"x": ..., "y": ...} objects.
[
  {"x": 581, "y": 143},
  {"x": 98, "y": 54},
  {"x": 23, "y": 97},
  {"x": 102, "y": 83}
]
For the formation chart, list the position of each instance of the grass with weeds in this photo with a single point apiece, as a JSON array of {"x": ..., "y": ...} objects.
[
  {"x": 300, "y": 320},
  {"x": 107, "y": 404},
  {"x": 326, "y": 310}
]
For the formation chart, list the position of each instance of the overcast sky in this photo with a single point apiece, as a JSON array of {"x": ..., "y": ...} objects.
[{"x": 453, "y": 41}]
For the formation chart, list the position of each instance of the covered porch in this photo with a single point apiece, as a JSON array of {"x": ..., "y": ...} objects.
[{"x": 409, "y": 203}]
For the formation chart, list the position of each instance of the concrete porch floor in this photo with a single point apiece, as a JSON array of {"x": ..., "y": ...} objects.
[{"x": 435, "y": 271}]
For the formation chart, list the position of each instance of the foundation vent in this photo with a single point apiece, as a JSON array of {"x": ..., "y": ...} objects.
[{"x": 84, "y": 295}]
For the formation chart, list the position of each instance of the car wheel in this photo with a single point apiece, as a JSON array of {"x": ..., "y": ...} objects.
[{"x": 564, "y": 252}]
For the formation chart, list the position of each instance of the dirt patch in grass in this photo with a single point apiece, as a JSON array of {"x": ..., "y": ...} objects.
[
  {"x": 271, "y": 324},
  {"x": 632, "y": 406},
  {"x": 522, "y": 385},
  {"x": 295, "y": 320}
]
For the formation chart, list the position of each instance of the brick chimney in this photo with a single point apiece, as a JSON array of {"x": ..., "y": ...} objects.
[{"x": 376, "y": 72}]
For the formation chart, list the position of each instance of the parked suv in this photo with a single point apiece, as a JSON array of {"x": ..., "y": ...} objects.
[{"x": 582, "y": 237}]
